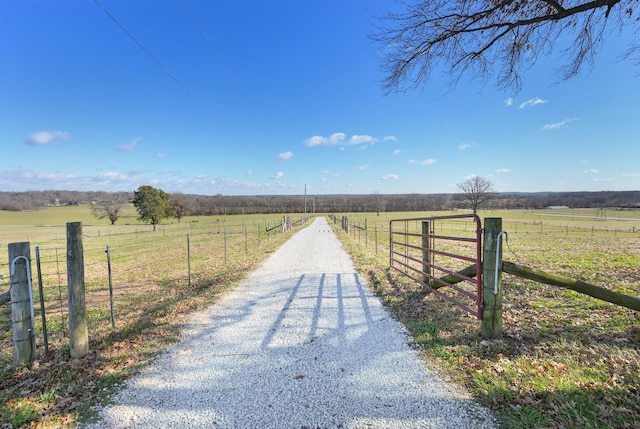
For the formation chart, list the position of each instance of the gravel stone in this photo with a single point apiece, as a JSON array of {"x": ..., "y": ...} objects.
[{"x": 301, "y": 343}]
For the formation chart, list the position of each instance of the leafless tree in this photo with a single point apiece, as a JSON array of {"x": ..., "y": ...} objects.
[
  {"x": 107, "y": 209},
  {"x": 475, "y": 36},
  {"x": 181, "y": 206},
  {"x": 476, "y": 191}
]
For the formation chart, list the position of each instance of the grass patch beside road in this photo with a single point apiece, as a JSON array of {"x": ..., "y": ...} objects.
[{"x": 565, "y": 360}]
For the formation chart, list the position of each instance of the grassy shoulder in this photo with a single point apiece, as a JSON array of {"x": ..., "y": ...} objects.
[{"x": 565, "y": 360}]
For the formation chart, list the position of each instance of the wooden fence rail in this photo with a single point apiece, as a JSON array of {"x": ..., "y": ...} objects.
[
  {"x": 573, "y": 284},
  {"x": 553, "y": 280}
]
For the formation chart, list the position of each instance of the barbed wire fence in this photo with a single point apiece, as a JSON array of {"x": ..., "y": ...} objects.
[{"x": 125, "y": 262}]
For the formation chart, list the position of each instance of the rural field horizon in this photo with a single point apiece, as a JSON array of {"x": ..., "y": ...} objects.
[{"x": 554, "y": 339}]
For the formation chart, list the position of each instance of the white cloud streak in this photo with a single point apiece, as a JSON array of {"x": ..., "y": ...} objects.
[
  {"x": 556, "y": 125},
  {"x": 532, "y": 102},
  {"x": 425, "y": 162},
  {"x": 45, "y": 137},
  {"x": 390, "y": 177},
  {"x": 128, "y": 147},
  {"x": 340, "y": 139}
]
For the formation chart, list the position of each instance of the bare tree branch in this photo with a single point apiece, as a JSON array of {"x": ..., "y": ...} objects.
[{"x": 467, "y": 36}]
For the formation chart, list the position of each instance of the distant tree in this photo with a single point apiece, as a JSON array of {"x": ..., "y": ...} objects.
[
  {"x": 181, "y": 207},
  {"x": 476, "y": 191},
  {"x": 107, "y": 209},
  {"x": 473, "y": 37},
  {"x": 152, "y": 205}
]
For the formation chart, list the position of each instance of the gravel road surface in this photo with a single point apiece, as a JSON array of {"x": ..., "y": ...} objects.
[{"x": 301, "y": 343}]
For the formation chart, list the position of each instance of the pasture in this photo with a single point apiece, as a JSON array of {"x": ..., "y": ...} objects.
[
  {"x": 565, "y": 360},
  {"x": 157, "y": 278}
]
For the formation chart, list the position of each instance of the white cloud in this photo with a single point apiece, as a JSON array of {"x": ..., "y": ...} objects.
[
  {"x": 465, "y": 146},
  {"x": 390, "y": 138},
  {"x": 362, "y": 167},
  {"x": 425, "y": 162},
  {"x": 161, "y": 155},
  {"x": 397, "y": 151},
  {"x": 249, "y": 173},
  {"x": 390, "y": 177},
  {"x": 340, "y": 139},
  {"x": 509, "y": 101},
  {"x": 557, "y": 125},
  {"x": 128, "y": 147},
  {"x": 604, "y": 179},
  {"x": 592, "y": 171},
  {"x": 45, "y": 137},
  {"x": 356, "y": 140},
  {"x": 532, "y": 102},
  {"x": 278, "y": 175},
  {"x": 285, "y": 156},
  {"x": 332, "y": 140},
  {"x": 503, "y": 170}
]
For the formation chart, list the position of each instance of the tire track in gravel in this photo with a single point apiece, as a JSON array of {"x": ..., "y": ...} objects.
[{"x": 301, "y": 343}]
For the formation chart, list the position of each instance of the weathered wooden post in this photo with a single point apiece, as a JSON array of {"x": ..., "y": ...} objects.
[
  {"x": 78, "y": 332},
  {"x": 22, "y": 319},
  {"x": 492, "y": 279},
  {"x": 426, "y": 253},
  {"x": 366, "y": 234}
]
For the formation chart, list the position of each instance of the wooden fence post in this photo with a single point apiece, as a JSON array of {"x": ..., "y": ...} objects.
[
  {"x": 24, "y": 338},
  {"x": 491, "y": 280},
  {"x": 78, "y": 332}
]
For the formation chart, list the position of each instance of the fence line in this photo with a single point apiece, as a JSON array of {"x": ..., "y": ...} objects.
[
  {"x": 135, "y": 261},
  {"x": 616, "y": 243}
]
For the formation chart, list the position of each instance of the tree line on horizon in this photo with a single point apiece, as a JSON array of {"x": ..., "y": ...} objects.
[{"x": 206, "y": 205}]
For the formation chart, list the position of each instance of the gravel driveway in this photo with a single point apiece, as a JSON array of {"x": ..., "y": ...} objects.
[{"x": 301, "y": 343}]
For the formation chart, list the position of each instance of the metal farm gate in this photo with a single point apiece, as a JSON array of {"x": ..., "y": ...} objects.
[{"x": 443, "y": 253}]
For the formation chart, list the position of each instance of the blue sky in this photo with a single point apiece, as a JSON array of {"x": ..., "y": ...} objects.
[{"x": 256, "y": 97}]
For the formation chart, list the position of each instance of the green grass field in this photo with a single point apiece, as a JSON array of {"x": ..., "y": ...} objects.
[
  {"x": 565, "y": 360},
  {"x": 157, "y": 278}
]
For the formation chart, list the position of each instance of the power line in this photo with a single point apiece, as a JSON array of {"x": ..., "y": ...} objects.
[
  {"x": 150, "y": 55},
  {"x": 164, "y": 69}
]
